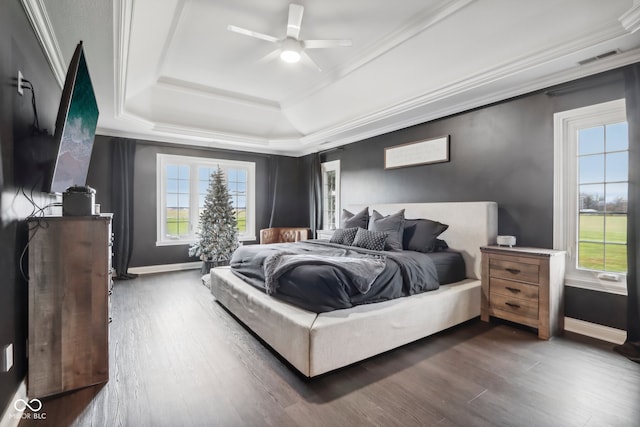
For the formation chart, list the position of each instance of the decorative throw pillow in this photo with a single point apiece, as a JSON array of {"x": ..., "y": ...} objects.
[
  {"x": 349, "y": 220},
  {"x": 393, "y": 225},
  {"x": 344, "y": 236},
  {"x": 373, "y": 240},
  {"x": 420, "y": 234},
  {"x": 440, "y": 246}
]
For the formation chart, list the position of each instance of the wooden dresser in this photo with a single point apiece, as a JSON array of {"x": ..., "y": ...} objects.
[
  {"x": 69, "y": 286},
  {"x": 524, "y": 285}
]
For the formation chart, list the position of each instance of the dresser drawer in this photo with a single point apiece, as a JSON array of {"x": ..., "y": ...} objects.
[
  {"x": 514, "y": 270},
  {"x": 522, "y": 307},
  {"x": 513, "y": 289}
]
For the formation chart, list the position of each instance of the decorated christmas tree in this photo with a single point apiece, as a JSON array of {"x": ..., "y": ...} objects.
[{"x": 218, "y": 236}]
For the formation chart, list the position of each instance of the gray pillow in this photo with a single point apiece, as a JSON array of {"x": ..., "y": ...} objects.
[
  {"x": 393, "y": 225},
  {"x": 420, "y": 235},
  {"x": 373, "y": 240},
  {"x": 344, "y": 236},
  {"x": 349, "y": 220}
]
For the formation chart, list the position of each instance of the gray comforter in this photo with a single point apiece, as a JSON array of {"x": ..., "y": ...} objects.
[
  {"x": 362, "y": 269},
  {"x": 312, "y": 275}
]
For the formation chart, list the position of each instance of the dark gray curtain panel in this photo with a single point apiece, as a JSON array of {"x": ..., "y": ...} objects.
[
  {"x": 315, "y": 194},
  {"x": 123, "y": 153},
  {"x": 631, "y": 348},
  {"x": 273, "y": 185}
]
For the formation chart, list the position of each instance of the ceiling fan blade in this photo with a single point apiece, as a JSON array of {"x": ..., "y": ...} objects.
[
  {"x": 306, "y": 60},
  {"x": 295, "y": 20},
  {"x": 269, "y": 56},
  {"x": 253, "y": 34},
  {"x": 323, "y": 44}
]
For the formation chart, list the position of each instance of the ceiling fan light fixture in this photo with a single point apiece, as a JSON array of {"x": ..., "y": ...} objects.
[
  {"x": 290, "y": 56},
  {"x": 290, "y": 50}
]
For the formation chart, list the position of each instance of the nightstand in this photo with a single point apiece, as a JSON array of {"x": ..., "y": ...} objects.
[
  {"x": 324, "y": 234},
  {"x": 524, "y": 285}
]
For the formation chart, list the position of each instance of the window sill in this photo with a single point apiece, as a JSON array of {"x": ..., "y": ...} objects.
[
  {"x": 618, "y": 288},
  {"x": 192, "y": 241},
  {"x": 174, "y": 242}
]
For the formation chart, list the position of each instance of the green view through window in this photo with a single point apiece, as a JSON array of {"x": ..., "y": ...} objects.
[{"x": 603, "y": 170}]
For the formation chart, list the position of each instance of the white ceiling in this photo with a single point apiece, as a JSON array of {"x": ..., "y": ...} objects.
[{"x": 170, "y": 70}]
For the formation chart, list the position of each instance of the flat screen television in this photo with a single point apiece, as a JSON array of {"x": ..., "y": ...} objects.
[{"x": 75, "y": 128}]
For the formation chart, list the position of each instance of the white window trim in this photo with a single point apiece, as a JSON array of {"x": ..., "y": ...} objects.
[
  {"x": 333, "y": 165},
  {"x": 565, "y": 128},
  {"x": 161, "y": 162}
]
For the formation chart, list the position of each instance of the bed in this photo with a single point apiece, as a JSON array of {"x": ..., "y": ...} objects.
[{"x": 316, "y": 343}]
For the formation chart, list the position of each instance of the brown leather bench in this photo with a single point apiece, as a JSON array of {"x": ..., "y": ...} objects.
[{"x": 284, "y": 234}]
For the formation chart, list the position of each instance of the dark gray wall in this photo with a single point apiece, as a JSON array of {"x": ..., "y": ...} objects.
[
  {"x": 290, "y": 207},
  {"x": 596, "y": 307},
  {"x": 501, "y": 152},
  {"x": 19, "y": 50},
  {"x": 99, "y": 174}
]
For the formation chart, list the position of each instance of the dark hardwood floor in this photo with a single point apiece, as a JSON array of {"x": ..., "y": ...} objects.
[{"x": 177, "y": 358}]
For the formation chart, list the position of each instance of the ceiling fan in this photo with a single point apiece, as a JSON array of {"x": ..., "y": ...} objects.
[{"x": 291, "y": 48}]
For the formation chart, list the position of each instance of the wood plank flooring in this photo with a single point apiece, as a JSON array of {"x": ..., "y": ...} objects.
[{"x": 178, "y": 358}]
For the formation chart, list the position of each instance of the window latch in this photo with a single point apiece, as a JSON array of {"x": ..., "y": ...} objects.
[{"x": 609, "y": 277}]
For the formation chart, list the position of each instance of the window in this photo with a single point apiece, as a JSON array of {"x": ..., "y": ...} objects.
[
  {"x": 590, "y": 200},
  {"x": 331, "y": 195},
  {"x": 182, "y": 186}
]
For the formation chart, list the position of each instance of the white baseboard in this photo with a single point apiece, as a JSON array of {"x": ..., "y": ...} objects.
[
  {"x": 11, "y": 416},
  {"x": 165, "y": 267},
  {"x": 593, "y": 330}
]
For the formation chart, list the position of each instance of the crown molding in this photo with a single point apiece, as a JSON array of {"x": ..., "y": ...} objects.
[
  {"x": 379, "y": 123},
  {"x": 426, "y": 109},
  {"x": 136, "y": 120},
  {"x": 122, "y": 18},
  {"x": 41, "y": 24},
  {"x": 485, "y": 77},
  {"x": 173, "y": 135},
  {"x": 177, "y": 16},
  {"x": 236, "y": 141},
  {"x": 290, "y": 145},
  {"x": 218, "y": 94},
  {"x": 210, "y": 135},
  {"x": 630, "y": 20}
]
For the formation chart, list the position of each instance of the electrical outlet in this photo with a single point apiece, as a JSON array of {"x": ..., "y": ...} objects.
[
  {"x": 20, "y": 78},
  {"x": 7, "y": 358}
]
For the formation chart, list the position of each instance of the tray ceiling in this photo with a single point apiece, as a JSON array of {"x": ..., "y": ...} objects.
[{"x": 171, "y": 71}]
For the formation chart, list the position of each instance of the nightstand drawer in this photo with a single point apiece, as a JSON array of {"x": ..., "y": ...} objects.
[
  {"x": 524, "y": 285},
  {"x": 513, "y": 289},
  {"x": 514, "y": 270},
  {"x": 521, "y": 307}
]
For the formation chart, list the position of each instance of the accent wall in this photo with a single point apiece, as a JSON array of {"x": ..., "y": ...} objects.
[{"x": 501, "y": 152}]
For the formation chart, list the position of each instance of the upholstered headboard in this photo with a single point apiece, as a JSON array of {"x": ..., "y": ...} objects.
[{"x": 471, "y": 225}]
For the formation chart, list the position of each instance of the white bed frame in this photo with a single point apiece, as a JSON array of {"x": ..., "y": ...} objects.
[{"x": 317, "y": 343}]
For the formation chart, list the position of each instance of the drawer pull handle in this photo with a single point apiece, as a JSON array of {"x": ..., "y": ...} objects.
[
  {"x": 513, "y": 270},
  {"x": 512, "y": 305},
  {"x": 514, "y": 290}
]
